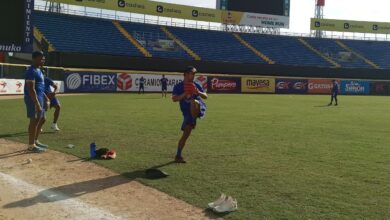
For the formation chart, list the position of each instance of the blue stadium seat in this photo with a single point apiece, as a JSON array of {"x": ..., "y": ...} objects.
[
  {"x": 330, "y": 48},
  {"x": 83, "y": 34},
  {"x": 216, "y": 46},
  {"x": 285, "y": 50},
  {"x": 154, "y": 33},
  {"x": 376, "y": 51},
  {"x": 80, "y": 34}
]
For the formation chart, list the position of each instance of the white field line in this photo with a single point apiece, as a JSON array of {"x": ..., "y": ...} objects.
[{"x": 75, "y": 206}]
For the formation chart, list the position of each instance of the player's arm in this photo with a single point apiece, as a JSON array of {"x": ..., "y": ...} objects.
[
  {"x": 178, "y": 98},
  {"x": 33, "y": 94}
]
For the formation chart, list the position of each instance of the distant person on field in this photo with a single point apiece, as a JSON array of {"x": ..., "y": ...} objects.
[
  {"x": 36, "y": 101},
  {"x": 190, "y": 95},
  {"x": 335, "y": 92},
  {"x": 54, "y": 102},
  {"x": 164, "y": 86},
  {"x": 141, "y": 85}
]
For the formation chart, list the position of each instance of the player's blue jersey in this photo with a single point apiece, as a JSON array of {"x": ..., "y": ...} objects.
[
  {"x": 142, "y": 81},
  {"x": 185, "y": 104},
  {"x": 48, "y": 84},
  {"x": 164, "y": 82},
  {"x": 335, "y": 88},
  {"x": 35, "y": 74}
]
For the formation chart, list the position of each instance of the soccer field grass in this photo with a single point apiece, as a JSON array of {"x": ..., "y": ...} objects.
[{"x": 281, "y": 156}]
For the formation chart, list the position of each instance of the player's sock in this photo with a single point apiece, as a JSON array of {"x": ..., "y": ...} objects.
[{"x": 178, "y": 154}]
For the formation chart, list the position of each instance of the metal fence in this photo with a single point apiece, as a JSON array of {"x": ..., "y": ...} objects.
[{"x": 17, "y": 71}]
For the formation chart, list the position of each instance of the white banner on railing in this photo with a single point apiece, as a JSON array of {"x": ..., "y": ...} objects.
[{"x": 16, "y": 86}]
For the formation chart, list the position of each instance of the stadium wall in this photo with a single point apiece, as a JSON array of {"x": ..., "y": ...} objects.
[
  {"x": 79, "y": 80},
  {"x": 71, "y": 60}
]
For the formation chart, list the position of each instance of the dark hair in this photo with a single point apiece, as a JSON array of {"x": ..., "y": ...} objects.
[
  {"x": 190, "y": 69},
  {"x": 37, "y": 54}
]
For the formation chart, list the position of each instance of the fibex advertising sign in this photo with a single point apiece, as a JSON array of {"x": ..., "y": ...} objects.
[{"x": 90, "y": 82}]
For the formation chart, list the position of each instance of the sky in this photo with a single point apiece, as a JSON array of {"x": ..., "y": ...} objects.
[{"x": 303, "y": 10}]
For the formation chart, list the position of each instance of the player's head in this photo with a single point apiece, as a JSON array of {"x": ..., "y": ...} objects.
[
  {"x": 189, "y": 73},
  {"x": 38, "y": 58},
  {"x": 163, "y": 76}
]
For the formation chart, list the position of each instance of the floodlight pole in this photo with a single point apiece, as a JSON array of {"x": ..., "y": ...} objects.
[{"x": 319, "y": 14}]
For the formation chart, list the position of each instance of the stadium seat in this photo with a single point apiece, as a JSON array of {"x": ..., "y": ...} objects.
[
  {"x": 376, "y": 51},
  {"x": 285, "y": 50},
  {"x": 154, "y": 33},
  {"x": 331, "y": 49},
  {"x": 83, "y": 34},
  {"x": 69, "y": 33},
  {"x": 216, "y": 45}
]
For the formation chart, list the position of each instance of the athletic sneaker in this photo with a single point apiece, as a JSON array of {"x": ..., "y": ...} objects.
[
  {"x": 229, "y": 205},
  {"x": 218, "y": 202},
  {"x": 179, "y": 160},
  {"x": 36, "y": 149},
  {"x": 54, "y": 126},
  {"x": 40, "y": 145}
]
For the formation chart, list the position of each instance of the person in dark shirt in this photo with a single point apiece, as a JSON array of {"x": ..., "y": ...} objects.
[
  {"x": 164, "y": 86},
  {"x": 141, "y": 85},
  {"x": 54, "y": 102},
  {"x": 335, "y": 92}
]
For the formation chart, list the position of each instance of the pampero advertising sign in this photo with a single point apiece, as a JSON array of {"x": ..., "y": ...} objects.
[
  {"x": 355, "y": 87},
  {"x": 292, "y": 86},
  {"x": 218, "y": 84},
  {"x": 90, "y": 82},
  {"x": 321, "y": 86},
  {"x": 258, "y": 85}
]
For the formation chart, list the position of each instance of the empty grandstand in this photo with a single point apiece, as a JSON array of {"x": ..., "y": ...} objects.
[{"x": 78, "y": 34}]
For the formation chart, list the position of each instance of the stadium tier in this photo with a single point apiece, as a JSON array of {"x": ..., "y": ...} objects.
[
  {"x": 150, "y": 35},
  {"x": 216, "y": 46},
  {"x": 68, "y": 33},
  {"x": 285, "y": 50},
  {"x": 83, "y": 34},
  {"x": 377, "y": 52},
  {"x": 331, "y": 49}
]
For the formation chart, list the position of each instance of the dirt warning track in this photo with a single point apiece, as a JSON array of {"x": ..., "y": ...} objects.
[{"x": 59, "y": 186}]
